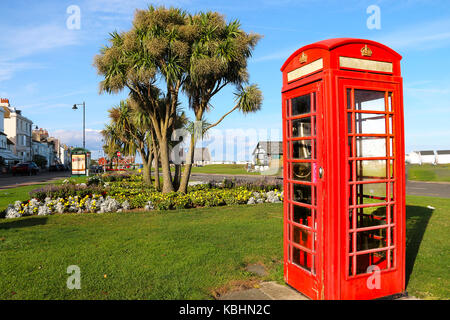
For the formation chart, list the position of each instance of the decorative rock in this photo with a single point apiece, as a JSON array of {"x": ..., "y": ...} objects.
[
  {"x": 257, "y": 269},
  {"x": 11, "y": 212},
  {"x": 126, "y": 205},
  {"x": 149, "y": 206}
]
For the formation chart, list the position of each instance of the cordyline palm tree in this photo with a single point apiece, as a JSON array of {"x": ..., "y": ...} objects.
[
  {"x": 132, "y": 131},
  {"x": 168, "y": 48},
  {"x": 155, "y": 50},
  {"x": 113, "y": 141},
  {"x": 219, "y": 57}
]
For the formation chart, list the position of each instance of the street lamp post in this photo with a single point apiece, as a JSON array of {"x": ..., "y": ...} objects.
[{"x": 84, "y": 120}]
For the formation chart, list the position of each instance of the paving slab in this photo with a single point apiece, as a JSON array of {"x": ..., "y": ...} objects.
[
  {"x": 257, "y": 269},
  {"x": 247, "y": 294},
  {"x": 274, "y": 291},
  {"x": 279, "y": 292},
  {"x": 266, "y": 291}
]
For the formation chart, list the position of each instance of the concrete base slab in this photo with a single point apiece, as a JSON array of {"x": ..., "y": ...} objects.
[
  {"x": 248, "y": 294},
  {"x": 279, "y": 292},
  {"x": 266, "y": 291},
  {"x": 274, "y": 291}
]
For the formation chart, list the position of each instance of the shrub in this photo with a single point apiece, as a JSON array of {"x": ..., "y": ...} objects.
[
  {"x": 66, "y": 191},
  {"x": 116, "y": 176},
  {"x": 94, "y": 181}
]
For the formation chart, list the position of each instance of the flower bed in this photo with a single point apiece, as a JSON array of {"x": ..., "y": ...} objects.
[{"x": 122, "y": 194}]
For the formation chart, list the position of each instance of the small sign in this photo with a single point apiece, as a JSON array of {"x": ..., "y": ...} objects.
[
  {"x": 78, "y": 164},
  {"x": 306, "y": 69},
  {"x": 363, "y": 64}
]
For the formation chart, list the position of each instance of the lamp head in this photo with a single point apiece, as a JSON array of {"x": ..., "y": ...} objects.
[{"x": 74, "y": 107}]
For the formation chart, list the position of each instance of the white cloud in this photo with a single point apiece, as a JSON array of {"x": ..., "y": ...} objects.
[
  {"x": 9, "y": 68},
  {"x": 75, "y": 138},
  {"x": 20, "y": 42},
  {"x": 423, "y": 36}
]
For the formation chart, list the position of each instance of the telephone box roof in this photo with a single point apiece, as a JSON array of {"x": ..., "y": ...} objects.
[
  {"x": 80, "y": 151},
  {"x": 331, "y": 44}
]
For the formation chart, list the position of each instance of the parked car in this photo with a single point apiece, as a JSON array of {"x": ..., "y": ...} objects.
[
  {"x": 53, "y": 168},
  {"x": 61, "y": 167},
  {"x": 96, "y": 169},
  {"x": 27, "y": 168}
]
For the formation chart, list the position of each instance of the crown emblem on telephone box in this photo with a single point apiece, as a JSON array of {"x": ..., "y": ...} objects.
[
  {"x": 365, "y": 51},
  {"x": 303, "y": 58}
]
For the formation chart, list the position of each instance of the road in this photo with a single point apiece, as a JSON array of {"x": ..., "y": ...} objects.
[
  {"x": 428, "y": 189},
  {"x": 416, "y": 188},
  {"x": 10, "y": 181}
]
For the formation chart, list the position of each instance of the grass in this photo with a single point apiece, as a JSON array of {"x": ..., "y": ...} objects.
[
  {"x": 10, "y": 195},
  {"x": 429, "y": 172},
  {"x": 234, "y": 169},
  {"x": 184, "y": 254},
  {"x": 427, "y": 247}
]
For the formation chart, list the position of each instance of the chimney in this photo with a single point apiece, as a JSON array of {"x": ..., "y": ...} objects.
[{"x": 4, "y": 102}]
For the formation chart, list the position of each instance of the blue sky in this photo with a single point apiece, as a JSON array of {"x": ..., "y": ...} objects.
[{"x": 45, "y": 68}]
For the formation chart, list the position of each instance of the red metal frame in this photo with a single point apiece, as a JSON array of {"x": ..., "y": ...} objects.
[{"x": 344, "y": 234}]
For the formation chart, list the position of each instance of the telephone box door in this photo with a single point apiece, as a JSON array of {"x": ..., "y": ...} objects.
[
  {"x": 303, "y": 147},
  {"x": 372, "y": 224}
]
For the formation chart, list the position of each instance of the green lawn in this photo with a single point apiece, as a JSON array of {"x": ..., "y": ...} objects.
[
  {"x": 185, "y": 254},
  {"x": 235, "y": 169},
  {"x": 429, "y": 172},
  {"x": 8, "y": 196},
  {"x": 428, "y": 247}
]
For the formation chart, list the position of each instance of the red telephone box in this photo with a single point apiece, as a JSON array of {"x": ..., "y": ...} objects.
[{"x": 344, "y": 176}]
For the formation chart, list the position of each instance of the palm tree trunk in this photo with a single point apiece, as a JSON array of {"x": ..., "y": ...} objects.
[
  {"x": 156, "y": 166},
  {"x": 146, "y": 163},
  {"x": 146, "y": 173},
  {"x": 177, "y": 176},
  {"x": 167, "y": 177},
  {"x": 187, "y": 167}
]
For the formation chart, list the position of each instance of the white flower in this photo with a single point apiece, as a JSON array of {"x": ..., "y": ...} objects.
[{"x": 11, "y": 212}]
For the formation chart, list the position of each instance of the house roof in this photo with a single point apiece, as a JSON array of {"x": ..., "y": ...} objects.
[
  {"x": 271, "y": 147},
  {"x": 427, "y": 153},
  {"x": 443, "y": 151}
]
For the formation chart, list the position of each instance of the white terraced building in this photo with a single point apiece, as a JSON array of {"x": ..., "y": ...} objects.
[{"x": 18, "y": 130}]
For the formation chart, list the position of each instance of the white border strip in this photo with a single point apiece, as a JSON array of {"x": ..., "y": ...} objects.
[{"x": 306, "y": 69}]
